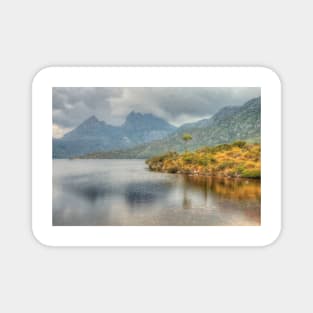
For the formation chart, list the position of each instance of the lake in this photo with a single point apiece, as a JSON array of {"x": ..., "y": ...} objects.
[{"x": 125, "y": 192}]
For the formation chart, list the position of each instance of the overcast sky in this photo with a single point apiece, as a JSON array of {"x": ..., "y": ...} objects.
[{"x": 71, "y": 106}]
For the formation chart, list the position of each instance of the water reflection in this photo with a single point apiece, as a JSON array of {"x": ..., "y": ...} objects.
[
  {"x": 235, "y": 188},
  {"x": 141, "y": 195},
  {"x": 124, "y": 192},
  {"x": 86, "y": 186},
  {"x": 187, "y": 202}
]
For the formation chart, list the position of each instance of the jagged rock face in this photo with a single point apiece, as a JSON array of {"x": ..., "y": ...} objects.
[
  {"x": 94, "y": 135},
  {"x": 138, "y": 121},
  {"x": 142, "y": 128},
  {"x": 145, "y": 135},
  {"x": 91, "y": 129},
  {"x": 226, "y": 126}
]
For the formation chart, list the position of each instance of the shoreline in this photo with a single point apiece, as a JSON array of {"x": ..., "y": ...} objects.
[
  {"x": 238, "y": 159},
  {"x": 207, "y": 175}
]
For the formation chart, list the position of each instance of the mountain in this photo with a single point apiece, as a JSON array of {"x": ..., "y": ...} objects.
[
  {"x": 230, "y": 124},
  {"x": 199, "y": 124},
  {"x": 142, "y": 128},
  {"x": 91, "y": 129},
  {"x": 93, "y": 135}
]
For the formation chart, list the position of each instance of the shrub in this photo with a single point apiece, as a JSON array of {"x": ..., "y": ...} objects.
[
  {"x": 172, "y": 170},
  {"x": 225, "y": 164},
  {"x": 239, "y": 144},
  {"x": 255, "y": 173},
  {"x": 240, "y": 169},
  {"x": 222, "y": 147},
  {"x": 205, "y": 150},
  {"x": 212, "y": 159},
  {"x": 238, "y": 159},
  {"x": 203, "y": 162}
]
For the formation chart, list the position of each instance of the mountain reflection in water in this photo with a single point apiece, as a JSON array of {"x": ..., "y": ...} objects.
[{"x": 125, "y": 192}]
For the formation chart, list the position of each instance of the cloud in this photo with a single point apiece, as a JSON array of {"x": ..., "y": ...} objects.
[
  {"x": 58, "y": 132},
  {"x": 71, "y": 106}
]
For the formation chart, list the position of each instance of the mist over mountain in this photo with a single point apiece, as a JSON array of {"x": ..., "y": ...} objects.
[
  {"x": 227, "y": 125},
  {"x": 199, "y": 124}
]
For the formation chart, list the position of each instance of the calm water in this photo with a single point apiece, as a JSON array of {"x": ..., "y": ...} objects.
[{"x": 125, "y": 192}]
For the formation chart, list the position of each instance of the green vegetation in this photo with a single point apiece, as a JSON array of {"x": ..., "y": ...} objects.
[
  {"x": 186, "y": 137},
  {"x": 227, "y": 125},
  {"x": 239, "y": 159}
]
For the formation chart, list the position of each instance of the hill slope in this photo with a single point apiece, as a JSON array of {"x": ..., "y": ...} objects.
[{"x": 227, "y": 125}]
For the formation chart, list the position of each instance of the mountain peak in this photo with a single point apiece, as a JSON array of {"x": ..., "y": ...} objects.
[
  {"x": 92, "y": 118},
  {"x": 153, "y": 135},
  {"x": 254, "y": 102},
  {"x": 91, "y": 121},
  {"x": 145, "y": 121},
  {"x": 134, "y": 114}
]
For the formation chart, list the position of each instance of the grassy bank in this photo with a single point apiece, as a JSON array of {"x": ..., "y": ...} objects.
[{"x": 239, "y": 159}]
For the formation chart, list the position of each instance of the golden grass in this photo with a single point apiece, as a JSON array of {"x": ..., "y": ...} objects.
[{"x": 239, "y": 159}]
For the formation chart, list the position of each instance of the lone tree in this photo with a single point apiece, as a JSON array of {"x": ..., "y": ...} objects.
[{"x": 186, "y": 137}]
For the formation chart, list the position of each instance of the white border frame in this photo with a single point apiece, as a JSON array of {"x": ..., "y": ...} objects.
[{"x": 50, "y": 235}]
